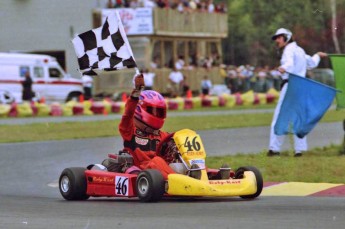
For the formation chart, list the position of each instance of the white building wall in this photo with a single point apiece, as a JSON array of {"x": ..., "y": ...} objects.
[{"x": 45, "y": 25}]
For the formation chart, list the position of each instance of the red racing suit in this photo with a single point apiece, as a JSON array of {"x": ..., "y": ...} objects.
[{"x": 141, "y": 145}]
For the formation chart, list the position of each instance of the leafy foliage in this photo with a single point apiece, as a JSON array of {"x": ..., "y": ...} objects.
[{"x": 252, "y": 23}]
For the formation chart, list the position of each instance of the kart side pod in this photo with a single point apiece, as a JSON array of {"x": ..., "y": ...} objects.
[{"x": 181, "y": 185}]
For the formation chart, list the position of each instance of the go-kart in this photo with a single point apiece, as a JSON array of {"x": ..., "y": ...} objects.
[{"x": 184, "y": 152}]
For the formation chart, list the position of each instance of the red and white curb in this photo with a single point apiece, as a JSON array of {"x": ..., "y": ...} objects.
[{"x": 303, "y": 189}]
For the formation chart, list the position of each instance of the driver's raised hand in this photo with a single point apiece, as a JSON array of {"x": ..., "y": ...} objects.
[{"x": 139, "y": 85}]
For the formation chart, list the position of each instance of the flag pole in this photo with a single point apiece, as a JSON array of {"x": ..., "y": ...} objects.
[{"x": 137, "y": 71}]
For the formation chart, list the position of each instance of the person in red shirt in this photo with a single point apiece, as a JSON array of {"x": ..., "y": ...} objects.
[{"x": 144, "y": 116}]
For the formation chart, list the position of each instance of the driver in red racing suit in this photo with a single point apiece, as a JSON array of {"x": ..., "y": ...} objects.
[{"x": 144, "y": 115}]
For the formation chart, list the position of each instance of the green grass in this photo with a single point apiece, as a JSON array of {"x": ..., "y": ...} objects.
[{"x": 320, "y": 165}]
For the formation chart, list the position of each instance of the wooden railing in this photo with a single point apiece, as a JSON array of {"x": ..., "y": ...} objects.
[
  {"x": 121, "y": 81},
  {"x": 171, "y": 22}
]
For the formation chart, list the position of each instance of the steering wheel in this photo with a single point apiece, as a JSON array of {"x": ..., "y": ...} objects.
[{"x": 167, "y": 149}]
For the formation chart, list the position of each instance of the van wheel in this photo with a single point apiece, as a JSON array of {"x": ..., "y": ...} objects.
[{"x": 74, "y": 96}]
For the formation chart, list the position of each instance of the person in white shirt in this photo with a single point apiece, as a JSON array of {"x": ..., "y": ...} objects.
[
  {"x": 206, "y": 85},
  {"x": 148, "y": 79},
  {"x": 175, "y": 78},
  {"x": 179, "y": 64},
  {"x": 210, "y": 6},
  {"x": 87, "y": 85},
  {"x": 293, "y": 60}
]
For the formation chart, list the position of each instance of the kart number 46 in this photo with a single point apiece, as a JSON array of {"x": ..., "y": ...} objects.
[{"x": 121, "y": 186}]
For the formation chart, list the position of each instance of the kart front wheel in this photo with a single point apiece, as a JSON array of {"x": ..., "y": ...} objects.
[
  {"x": 72, "y": 184},
  {"x": 150, "y": 185},
  {"x": 259, "y": 181}
]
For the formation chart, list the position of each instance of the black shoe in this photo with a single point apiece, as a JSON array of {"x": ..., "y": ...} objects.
[
  {"x": 298, "y": 155},
  {"x": 195, "y": 172},
  {"x": 271, "y": 153}
]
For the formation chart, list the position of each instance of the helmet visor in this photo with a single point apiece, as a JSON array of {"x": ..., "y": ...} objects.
[{"x": 156, "y": 111}]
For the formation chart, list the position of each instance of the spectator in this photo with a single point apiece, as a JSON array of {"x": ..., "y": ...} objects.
[
  {"x": 155, "y": 63},
  {"x": 207, "y": 63},
  {"x": 27, "y": 94},
  {"x": 206, "y": 85},
  {"x": 223, "y": 74},
  {"x": 269, "y": 79},
  {"x": 221, "y": 8},
  {"x": 175, "y": 79},
  {"x": 248, "y": 74},
  {"x": 118, "y": 4},
  {"x": 261, "y": 80},
  {"x": 179, "y": 64},
  {"x": 202, "y": 6},
  {"x": 161, "y": 3},
  {"x": 216, "y": 60},
  {"x": 232, "y": 79},
  {"x": 110, "y": 4},
  {"x": 210, "y": 6},
  {"x": 184, "y": 86},
  {"x": 126, "y": 3},
  {"x": 87, "y": 86},
  {"x": 275, "y": 74},
  {"x": 180, "y": 7},
  {"x": 148, "y": 79},
  {"x": 239, "y": 82},
  {"x": 134, "y": 4},
  {"x": 192, "y": 5},
  {"x": 147, "y": 3}
]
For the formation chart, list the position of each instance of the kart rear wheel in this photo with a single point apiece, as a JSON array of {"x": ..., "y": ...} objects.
[
  {"x": 259, "y": 181},
  {"x": 150, "y": 185},
  {"x": 72, "y": 184}
]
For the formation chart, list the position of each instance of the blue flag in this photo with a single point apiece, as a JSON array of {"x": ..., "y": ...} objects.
[{"x": 304, "y": 104}]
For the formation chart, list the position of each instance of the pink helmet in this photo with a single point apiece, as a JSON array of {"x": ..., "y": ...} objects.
[{"x": 151, "y": 110}]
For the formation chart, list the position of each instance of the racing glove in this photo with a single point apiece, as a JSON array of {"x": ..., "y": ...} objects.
[{"x": 139, "y": 85}]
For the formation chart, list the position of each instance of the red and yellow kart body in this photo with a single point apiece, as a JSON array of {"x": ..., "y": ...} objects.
[{"x": 149, "y": 185}]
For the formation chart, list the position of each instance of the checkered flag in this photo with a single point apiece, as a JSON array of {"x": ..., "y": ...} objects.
[{"x": 104, "y": 48}]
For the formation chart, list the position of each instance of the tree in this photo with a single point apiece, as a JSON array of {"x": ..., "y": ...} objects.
[{"x": 252, "y": 23}]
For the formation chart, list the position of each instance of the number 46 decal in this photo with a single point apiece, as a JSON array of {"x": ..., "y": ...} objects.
[
  {"x": 121, "y": 186},
  {"x": 193, "y": 145}
]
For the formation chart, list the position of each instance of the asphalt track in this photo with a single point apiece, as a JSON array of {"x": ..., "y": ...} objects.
[{"x": 29, "y": 197}]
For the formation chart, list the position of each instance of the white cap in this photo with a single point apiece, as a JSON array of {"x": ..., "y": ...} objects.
[{"x": 283, "y": 31}]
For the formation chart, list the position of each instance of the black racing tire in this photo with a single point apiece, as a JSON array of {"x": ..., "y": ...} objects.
[
  {"x": 259, "y": 180},
  {"x": 150, "y": 185},
  {"x": 72, "y": 184}
]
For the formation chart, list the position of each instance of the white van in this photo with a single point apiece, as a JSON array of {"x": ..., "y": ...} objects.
[{"x": 49, "y": 79}]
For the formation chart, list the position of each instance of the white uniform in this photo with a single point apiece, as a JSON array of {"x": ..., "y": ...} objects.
[
  {"x": 149, "y": 79},
  {"x": 294, "y": 60}
]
